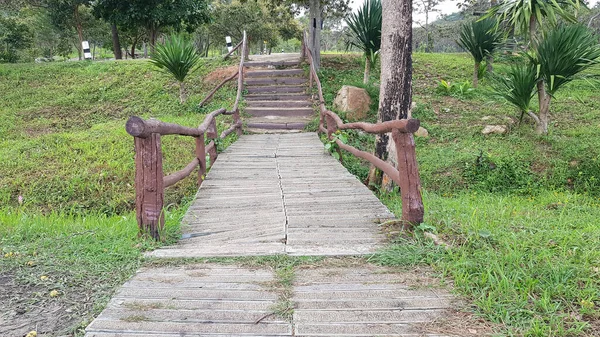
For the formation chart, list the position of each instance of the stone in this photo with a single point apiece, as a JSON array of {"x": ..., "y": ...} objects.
[
  {"x": 494, "y": 129},
  {"x": 353, "y": 100},
  {"x": 422, "y": 132}
]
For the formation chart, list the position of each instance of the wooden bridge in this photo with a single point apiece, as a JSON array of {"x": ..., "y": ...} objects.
[{"x": 269, "y": 194}]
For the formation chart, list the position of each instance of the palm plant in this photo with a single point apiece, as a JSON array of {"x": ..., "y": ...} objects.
[
  {"x": 365, "y": 33},
  {"x": 518, "y": 87},
  {"x": 561, "y": 55},
  {"x": 176, "y": 56},
  {"x": 526, "y": 15},
  {"x": 480, "y": 38}
]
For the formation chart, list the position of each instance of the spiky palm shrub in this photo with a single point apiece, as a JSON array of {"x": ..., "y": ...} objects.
[
  {"x": 518, "y": 87},
  {"x": 561, "y": 55},
  {"x": 176, "y": 56},
  {"x": 365, "y": 33},
  {"x": 480, "y": 38}
]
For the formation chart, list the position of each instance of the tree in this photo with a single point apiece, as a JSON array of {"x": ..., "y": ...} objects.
[
  {"x": 395, "y": 95},
  {"x": 178, "y": 57},
  {"x": 480, "y": 38},
  {"x": 427, "y": 7},
  {"x": 562, "y": 54},
  {"x": 518, "y": 87},
  {"x": 318, "y": 9},
  {"x": 14, "y": 36},
  {"x": 365, "y": 33},
  {"x": 154, "y": 15}
]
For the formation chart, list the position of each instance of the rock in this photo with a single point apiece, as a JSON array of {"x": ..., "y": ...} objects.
[
  {"x": 495, "y": 129},
  {"x": 355, "y": 101},
  {"x": 422, "y": 132}
]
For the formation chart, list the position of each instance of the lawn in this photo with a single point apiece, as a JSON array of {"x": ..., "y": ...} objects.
[
  {"x": 519, "y": 211},
  {"x": 68, "y": 235}
]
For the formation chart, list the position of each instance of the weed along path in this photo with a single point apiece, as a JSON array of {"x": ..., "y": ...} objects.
[{"x": 256, "y": 239}]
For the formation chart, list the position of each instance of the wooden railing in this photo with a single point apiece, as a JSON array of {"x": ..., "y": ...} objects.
[
  {"x": 406, "y": 175},
  {"x": 150, "y": 181}
]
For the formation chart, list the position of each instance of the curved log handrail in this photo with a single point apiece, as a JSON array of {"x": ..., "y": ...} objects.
[
  {"x": 149, "y": 179},
  {"x": 210, "y": 95},
  {"x": 234, "y": 49},
  {"x": 406, "y": 176}
]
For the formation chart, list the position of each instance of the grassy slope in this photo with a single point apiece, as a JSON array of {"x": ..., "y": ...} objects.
[
  {"x": 520, "y": 210},
  {"x": 65, "y": 151}
]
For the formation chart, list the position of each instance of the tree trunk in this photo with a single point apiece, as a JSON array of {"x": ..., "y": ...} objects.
[
  {"x": 475, "y": 74},
  {"x": 116, "y": 42},
  {"x": 79, "y": 28},
  {"x": 315, "y": 32},
  {"x": 367, "y": 71},
  {"x": 396, "y": 72},
  {"x": 541, "y": 126},
  {"x": 489, "y": 63},
  {"x": 153, "y": 31},
  {"x": 182, "y": 95}
]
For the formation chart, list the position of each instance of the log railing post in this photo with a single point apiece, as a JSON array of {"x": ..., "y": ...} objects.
[
  {"x": 149, "y": 189},
  {"x": 201, "y": 155},
  {"x": 211, "y": 133},
  {"x": 409, "y": 180},
  {"x": 331, "y": 126}
]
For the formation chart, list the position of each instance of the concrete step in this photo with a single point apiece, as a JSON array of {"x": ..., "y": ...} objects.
[
  {"x": 298, "y": 96},
  {"x": 276, "y": 89},
  {"x": 289, "y": 112},
  {"x": 279, "y": 104},
  {"x": 275, "y": 81},
  {"x": 275, "y": 73},
  {"x": 265, "y": 64},
  {"x": 277, "y": 123}
]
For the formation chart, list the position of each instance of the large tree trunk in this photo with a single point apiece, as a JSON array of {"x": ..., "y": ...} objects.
[
  {"x": 116, "y": 42},
  {"x": 315, "y": 32},
  {"x": 367, "y": 71},
  {"x": 396, "y": 74},
  {"x": 153, "y": 31},
  {"x": 79, "y": 28},
  {"x": 541, "y": 126},
  {"x": 476, "y": 74}
]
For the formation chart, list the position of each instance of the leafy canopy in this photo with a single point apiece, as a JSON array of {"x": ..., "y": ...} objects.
[
  {"x": 480, "y": 38},
  {"x": 365, "y": 29},
  {"x": 176, "y": 56}
]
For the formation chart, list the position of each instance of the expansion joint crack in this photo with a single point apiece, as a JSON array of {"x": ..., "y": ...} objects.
[{"x": 282, "y": 194}]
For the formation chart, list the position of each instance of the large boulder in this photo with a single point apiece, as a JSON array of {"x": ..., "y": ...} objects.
[{"x": 354, "y": 101}]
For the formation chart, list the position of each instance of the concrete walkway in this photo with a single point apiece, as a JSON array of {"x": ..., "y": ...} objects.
[{"x": 277, "y": 194}]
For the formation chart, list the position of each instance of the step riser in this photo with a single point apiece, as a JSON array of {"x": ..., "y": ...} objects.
[
  {"x": 278, "y": 104},
  {"x": 276, "y": 81},
  {"x": 281, "y": 89},
  {"x": 277, "y": 126},
  {"x": 281, "y": 113},
  {"x": 272, "y": 64},
  {"x": 275, "y": 97},
  {"x": 275, "y": 73}
]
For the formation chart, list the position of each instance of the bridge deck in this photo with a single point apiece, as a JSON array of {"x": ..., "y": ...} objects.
[{"x": 280, "y": 194}]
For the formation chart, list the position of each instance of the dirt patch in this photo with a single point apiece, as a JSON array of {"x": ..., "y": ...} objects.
[
  {"x": 220, "y": 74},
  {"x": 27, "y": 308},
  {"x": 457, "y": 322}
]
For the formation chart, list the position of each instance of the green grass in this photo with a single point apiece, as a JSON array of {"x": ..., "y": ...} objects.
[
  {"x": 519, "y": 210},
  {"x": 68, "y": 157}
]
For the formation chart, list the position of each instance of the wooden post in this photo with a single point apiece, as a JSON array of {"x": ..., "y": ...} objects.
[
  {"x": 236, "y": 120},
  {"x": 331, "y": 126},
  {"x": 211, "y": 133},
  {"x": 149, "y": 190},
  {"x": 410, "y": 182},
  {"x": 201, "y": 155}
]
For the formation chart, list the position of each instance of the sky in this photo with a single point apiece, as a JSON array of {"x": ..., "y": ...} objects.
[{"x": 445, "y": 7}]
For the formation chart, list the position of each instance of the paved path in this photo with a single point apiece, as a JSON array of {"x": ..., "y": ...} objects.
[
  {"x": 229, "y": 300},
  {"x": 280, "y": 194}
]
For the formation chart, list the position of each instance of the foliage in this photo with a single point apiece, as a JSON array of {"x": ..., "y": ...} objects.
[
  {"x": 525, "y": 15},
  {"x": 332, "y": 146},
  {"x": 495, "y": 174},
  {"x": 563, "y": 53},
  {"x": 365, "y": 31},
  {"x": 517, "y": 86},
  {"x": 459, "y": 90},
  {"x": 14, "y": 36},
  {"x": 176, "y": 56},
  {"x": 480, "y": 38}
]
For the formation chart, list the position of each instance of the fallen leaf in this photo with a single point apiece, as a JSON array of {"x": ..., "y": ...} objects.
[{"x": 54, "y": 293}]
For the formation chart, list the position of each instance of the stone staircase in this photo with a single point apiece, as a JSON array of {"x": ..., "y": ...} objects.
[{"x": 276, "y": 98}]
